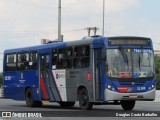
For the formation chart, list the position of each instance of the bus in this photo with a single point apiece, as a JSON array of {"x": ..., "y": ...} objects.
[{"x": 92, "y": 71}]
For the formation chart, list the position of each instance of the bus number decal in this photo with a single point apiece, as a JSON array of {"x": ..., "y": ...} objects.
[{"x": 141, "y": 88}]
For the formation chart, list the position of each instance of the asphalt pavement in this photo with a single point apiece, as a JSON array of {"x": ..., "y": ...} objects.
[
  {"x": 54, "y": 110},
  {"x": 49, "y": 111}
]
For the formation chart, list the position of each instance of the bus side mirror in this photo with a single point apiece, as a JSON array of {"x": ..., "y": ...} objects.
[{"x": 103, "y": 54}]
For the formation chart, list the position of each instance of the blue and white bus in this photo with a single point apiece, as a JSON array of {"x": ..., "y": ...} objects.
[{"x": 93, "y": 71}]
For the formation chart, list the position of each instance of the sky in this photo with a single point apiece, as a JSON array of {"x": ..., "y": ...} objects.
[{"x": 25, "y": 22}]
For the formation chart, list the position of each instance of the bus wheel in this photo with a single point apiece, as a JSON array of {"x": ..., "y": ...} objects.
[
  {"x": 84, "y": 100},
  {"x": 128, "y": 104},
  {"x": 29, "y": 98},
  {"x": 66, "y": 104}
]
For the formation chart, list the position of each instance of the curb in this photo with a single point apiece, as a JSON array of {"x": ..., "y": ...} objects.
[{"x": 157, "y": 96}]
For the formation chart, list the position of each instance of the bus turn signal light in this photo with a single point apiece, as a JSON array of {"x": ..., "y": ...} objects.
[{"x": 89, "y": 76}]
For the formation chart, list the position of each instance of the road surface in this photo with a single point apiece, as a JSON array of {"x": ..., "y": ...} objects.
[{"x": 54, "y": 110}]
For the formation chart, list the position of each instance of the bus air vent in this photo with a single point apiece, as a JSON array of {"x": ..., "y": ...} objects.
[{"x": 141, "y": 83}]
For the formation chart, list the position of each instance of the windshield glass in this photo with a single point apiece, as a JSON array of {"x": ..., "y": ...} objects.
[
  {"x": 120, "y": 61},
  {"x": 143, "y": 63}
]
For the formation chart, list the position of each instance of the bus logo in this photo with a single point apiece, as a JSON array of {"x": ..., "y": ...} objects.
[
  {"x": 21, "y": 75},
  {"x": 58, "y": 76},
  {"x": 133, "y": 83},
  {"x": 6, "y": 114}
]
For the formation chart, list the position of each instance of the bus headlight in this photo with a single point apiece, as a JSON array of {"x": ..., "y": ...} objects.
[
  {"x": 151, "y": 87},
  {"x": 109, "y": 87}
]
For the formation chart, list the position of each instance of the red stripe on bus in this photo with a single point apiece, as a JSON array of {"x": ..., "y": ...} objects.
[{"x": 44, "y": 89}]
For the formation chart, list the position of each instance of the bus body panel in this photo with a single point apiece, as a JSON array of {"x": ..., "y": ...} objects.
[
  {"x": 113, "y": 96},
  {"x": 15, "y": 84}
]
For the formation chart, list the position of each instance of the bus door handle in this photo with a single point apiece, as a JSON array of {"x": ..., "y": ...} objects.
[{"x": 61, "y": 85}]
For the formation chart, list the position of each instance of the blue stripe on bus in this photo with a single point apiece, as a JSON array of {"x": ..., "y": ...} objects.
[
  {"x": 55, "y": 85},
  {"x": 52, "y": 94}
]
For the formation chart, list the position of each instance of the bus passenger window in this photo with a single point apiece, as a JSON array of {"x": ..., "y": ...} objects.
[
  {"x": 23, "y": 61},
  {"x": 65, "y": 58},
  {"x": 11, "y": 62},
  {"x": 86, "y": 56},
  {"x": 82, "y": 59},
  {"x": 60, "y": 59},
  {"x": 69, "y": 57},
  {"x": 33, "y": 61},
  {"x": 54, "y": 59}
]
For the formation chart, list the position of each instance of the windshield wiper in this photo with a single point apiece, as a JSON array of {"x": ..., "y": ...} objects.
[
  {"x": 139, "y": 62},
  {"x": 140, "y": 58},
  {"x": 124, "y": 55}
]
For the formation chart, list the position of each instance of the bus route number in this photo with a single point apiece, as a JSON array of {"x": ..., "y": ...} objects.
[{"x": 141, "y": 88}]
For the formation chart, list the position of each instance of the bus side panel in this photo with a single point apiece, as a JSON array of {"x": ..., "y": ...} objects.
[
  {"x": 32, "y": 80},
  {"x": 80, "y": 77},
  {"x": 71, "y": 83},
  {"x": 12, "y": 88},
  {"x": 15, "y": 84},
  {"x": 76, "y": 78}
]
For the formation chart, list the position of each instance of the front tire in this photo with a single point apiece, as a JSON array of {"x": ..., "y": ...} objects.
[
  {"x": 84, "y": 100},
  {"x": 128, "y": 104}
]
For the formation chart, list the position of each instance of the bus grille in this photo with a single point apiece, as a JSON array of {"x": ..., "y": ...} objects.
[{"x": 133, "y": 83}]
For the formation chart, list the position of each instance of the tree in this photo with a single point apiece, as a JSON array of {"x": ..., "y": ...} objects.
[{"x": 157, "y": 70}]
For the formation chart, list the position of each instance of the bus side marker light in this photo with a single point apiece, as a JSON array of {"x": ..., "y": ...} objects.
[
  {"x": 37, "y": 91},
  {"x": 89, "y": 76}
]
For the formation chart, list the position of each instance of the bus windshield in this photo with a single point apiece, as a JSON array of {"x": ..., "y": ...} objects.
[{"x": 129, "y": 63}]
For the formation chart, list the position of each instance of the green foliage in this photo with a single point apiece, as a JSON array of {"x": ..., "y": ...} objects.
[
  {"x": 158, "y": 81},
  {"x": 157, "y": 69}
]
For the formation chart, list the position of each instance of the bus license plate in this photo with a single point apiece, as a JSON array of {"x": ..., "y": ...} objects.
[{"x": 133, "y": 96}]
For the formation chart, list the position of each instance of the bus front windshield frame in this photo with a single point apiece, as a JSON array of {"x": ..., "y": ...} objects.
[{"x": 129, "y": 63}]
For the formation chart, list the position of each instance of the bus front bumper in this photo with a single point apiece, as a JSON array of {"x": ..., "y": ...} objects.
[{"x": 112, "y": 96}]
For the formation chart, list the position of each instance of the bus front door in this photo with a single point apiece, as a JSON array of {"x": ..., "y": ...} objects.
[{"x": 98, "y": 74}]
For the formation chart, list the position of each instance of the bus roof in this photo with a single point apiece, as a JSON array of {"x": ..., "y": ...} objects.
[
  {"x": 69, "y": 43},
  {"x": 48, "y": 46}
]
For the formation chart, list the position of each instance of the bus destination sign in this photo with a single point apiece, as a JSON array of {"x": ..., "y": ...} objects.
[{"x": 125, "y": 42}]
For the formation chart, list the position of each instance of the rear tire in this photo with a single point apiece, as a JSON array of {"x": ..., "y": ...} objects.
[
  {"x": 66, "y": 104},
  {"x": 30, "y": 100},
  {"x": 83, "y": 98},
  {"x": 128, "y": 104}
]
